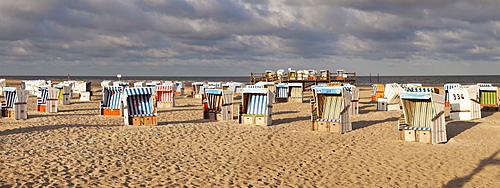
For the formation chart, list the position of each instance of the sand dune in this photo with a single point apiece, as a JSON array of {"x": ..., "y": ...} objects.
[{"x": 77, "y": 147}]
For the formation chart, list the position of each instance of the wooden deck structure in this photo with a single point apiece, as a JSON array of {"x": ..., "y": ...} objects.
[{"x": 314, "y": 78}]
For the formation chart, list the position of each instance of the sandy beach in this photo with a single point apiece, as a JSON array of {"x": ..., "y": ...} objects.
[{"x": 79, "y": 148}]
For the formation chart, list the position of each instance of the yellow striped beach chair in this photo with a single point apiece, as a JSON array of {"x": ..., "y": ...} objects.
[
  {"x": 423, "y": 119},
  {"x": 331, "y": 110}
]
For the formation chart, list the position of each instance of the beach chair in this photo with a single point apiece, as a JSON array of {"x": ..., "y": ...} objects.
[
  {"x": 446, "y": 94},
  {"x": 32, "y": 86},
  {"x": 310, "y": 74},
  {"x": 196, "y": 89},
  {"x": 216, "y": 85},
  {"x": 2, "y": 85},
  {"x": 236, "y": 87},
  {"x": 354, "y": 97},
  {"x": 225, "y": 86},
  {"x": 138, "y": 107},
  {"x": 48, "y": 100},
  {"x": 65, "y": 93},
  {"x": 331, "y": 110},
  {"x": 282, "y": 93},
  {"x": 270, "y": 85},
  {"x": 292, "y": 75},
  {"x": 111, "y": 104},
  {"x": 295, "y": 91},
  {"x": 256, "y": 106},
  {"x": 106, "y": 83},
  {"x": 125, "y": 85},
  {"x": 15, "y": 104},
  {"x": 179, "y": 88},
  {"x": 218, "y": 105},
  {"x": 464, "y": 103},
  {"x": 324, "y": 75},
  {"x": 139, "y": 84},
  {"x": 165, "y": 97},
  {"x": 488, "y": 96},
  {"x": 391, "y": 100},
  {"x": 423, "y": 119},
  {"x": 422, "y": 89},
  {"x": 377, "y": 91}
]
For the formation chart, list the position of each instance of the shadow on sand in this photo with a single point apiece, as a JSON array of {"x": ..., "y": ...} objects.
[
  {"x": 456, "y": 127},
  {"x": 363, "y": 124},
  {"x": 46, "y": 128},
  {"x": 460, "y": 182}
]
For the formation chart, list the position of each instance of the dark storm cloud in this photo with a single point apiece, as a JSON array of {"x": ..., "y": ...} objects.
[{"x": 192, "y": 34}]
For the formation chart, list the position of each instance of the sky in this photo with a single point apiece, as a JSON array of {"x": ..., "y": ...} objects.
[{"x": 236, "y": 37}]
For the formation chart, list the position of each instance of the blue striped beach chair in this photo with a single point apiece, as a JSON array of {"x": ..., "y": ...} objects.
[
  {"x": 424, "y": 119},
  {"x": 165, "y": 97},
  {"x": 138, "y": 107},
  {"x": 256, "y": 107},
  {"x": 421, "y": 89},
  {"x": 111, "y": 104},
  {"x": 15, "y": 105},
  {"x": 48, "y": 100},
  {"x": 331, "y": 109},
  {"x": 282, "y": 92},
  {"x": 218, "y": 104}
]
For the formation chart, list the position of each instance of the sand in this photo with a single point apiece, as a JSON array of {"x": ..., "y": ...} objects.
[{"x": 79, "y": 148}]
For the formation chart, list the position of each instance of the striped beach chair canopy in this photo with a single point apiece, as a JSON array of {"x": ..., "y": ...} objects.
[
  {"x": 451, "y": 86},
  {"x": 391, "y": 93},
  {"x": 295, "y": 90},
  {"x": 165, "y": 93},
  {"x": 53, "y": 93},
  {"x": 424, "y": 111},
  {"x": 217, "y": 85},
  {"x": 112, "y": 96},
  {"x": 214, "y": 98},
  {"x": 2, "y": 85},
  {"x": 420, "y": 89},
  {"x": 33, "y": 85},
  {"x": 106, "y": 83},
  {"x": 256, "y": 101},
  {"x": 44, "y": 95},
  {"x": 10, "y": 97},
  {"x": 282, "y": 90},
  {"x": 122, "y": 84},
  {"x": 197, "y": 83},
  {"x": 484, "y": 85},
  {"x": 333, "y": 104},
  {"x": 179, "y": 85},
  {"x": 139, "y": 102},
  {"x": 139, "y": 84},
  {"x": 253, "y": 86},
  {"x": 377, "y": 87}
]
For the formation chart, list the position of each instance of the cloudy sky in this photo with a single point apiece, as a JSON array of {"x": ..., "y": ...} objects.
[{"x": 236, "y": 37}]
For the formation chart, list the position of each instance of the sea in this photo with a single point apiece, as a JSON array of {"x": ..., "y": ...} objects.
[{"x": 360, "y": 80}]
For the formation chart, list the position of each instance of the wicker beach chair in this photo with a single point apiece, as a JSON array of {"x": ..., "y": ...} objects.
[
  {"x": 331, "y": 110},
  {"x": 256, "y": 107},
  {"x": 138, "y": 107}
]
